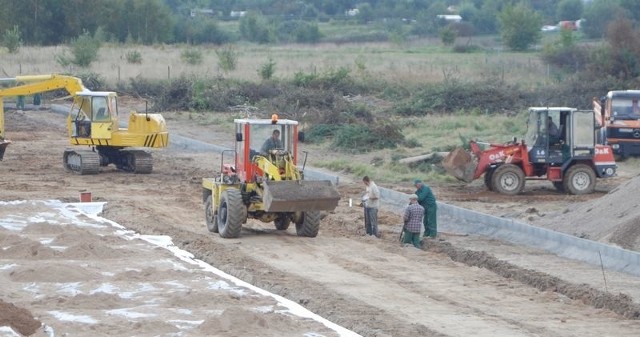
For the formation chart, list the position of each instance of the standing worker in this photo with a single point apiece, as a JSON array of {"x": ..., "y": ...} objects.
[
  {"x": 371, "y": 201},
  {"x": 427, "y": 200},
  {"x": 413, "y": 215}
]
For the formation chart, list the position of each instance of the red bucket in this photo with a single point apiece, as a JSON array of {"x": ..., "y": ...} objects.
[{"x": 85, "y": 196}]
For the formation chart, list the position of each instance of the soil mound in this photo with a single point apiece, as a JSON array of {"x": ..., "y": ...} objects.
[{"x": 614, "y": 218}]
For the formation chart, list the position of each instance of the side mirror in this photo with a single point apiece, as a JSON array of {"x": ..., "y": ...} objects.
[
  {"x": 301, "y": 136},
  {"x": 238, "y": 137}
]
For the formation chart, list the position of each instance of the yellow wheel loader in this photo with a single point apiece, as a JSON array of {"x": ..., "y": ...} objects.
[
  {"x": 263, "y": 182},
  {"x": 93, "y": 124}
]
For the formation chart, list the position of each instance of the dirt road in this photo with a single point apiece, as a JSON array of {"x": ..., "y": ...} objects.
[{"x": 375, "y": 287}]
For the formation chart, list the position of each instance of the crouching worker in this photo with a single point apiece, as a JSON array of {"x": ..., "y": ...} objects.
[{"x": 413, "y": 221}]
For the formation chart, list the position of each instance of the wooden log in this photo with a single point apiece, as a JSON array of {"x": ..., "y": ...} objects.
[{"x": 422, "y": 157}]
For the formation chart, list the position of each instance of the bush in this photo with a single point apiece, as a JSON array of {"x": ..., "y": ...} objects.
[
  {"x": 133, "y": 57},
  {"x": 364, "y": 138},
  {"x": 267, "y": 69},
  {"x": 256, "y": 28},
  {"x": 336, "y": 79},
  {"x": 466, "y": 48},
  {"x": 298, "y": 31},
  {"x": 144, "y": 87},
  {"x": 92, "y": 81},
  {"x": 12, "y": 39},
  {"x": 191, "y": 56},
  {"x": 491, "y": 95},
  {"x": 448, "y": 35},
  {"x": 84, "y": 49},
  {"x": 227, "y": 58}
]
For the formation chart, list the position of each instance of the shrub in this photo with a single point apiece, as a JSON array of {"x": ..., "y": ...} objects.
[
  {"x": 364, "y": 138},
  {"x": 92, "y": 81},
  {"x": 133, "y": 57},
  {"x": 84, "y": 49},
  {"x": 267, "y": 69},
  {"x": 448, "y": 35},
  {"x": 256, "y": 28},
  {"x": 227, "y": 58},
  {"x": 191, "y": 56},
  {"x": 144, "y": 87},
  {"x": 12, "y": 39}
]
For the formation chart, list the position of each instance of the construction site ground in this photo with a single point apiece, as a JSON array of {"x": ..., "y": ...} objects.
[{"x": 456, "y": 286}]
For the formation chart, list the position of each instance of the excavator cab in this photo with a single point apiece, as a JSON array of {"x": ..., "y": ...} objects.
[{"x": 94, "y": 114}]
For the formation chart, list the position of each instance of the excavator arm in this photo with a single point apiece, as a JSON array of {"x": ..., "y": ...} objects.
[{"x": 34, "y": 84}]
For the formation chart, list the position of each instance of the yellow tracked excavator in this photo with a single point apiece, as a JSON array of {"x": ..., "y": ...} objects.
[
  {"x": 263, "y": 182},
  {"x": 93, "y": 123}
]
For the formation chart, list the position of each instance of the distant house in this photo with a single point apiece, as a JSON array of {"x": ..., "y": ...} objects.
[
  {"x": 450, "y": 17},
  {"x": 237, "y": 14},
  {"x": 352, "y": 12},
  {"x": 197, "y": 11}
]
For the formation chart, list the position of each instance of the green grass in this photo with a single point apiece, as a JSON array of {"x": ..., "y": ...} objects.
[
  {"x": 433, "y": 133},
  {"x": 413, "y": 63}
]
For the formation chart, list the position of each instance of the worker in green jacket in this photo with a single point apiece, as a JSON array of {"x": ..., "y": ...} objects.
[{"x": 427, "y": 200}]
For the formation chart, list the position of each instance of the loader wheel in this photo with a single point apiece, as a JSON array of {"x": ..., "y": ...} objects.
[
  {"x": 579, "y": 179},
  {"x": 508, "y": 179},
  {"x": 210, "y": 216},
  {"x": 231, "y": 214},
  {"x": 310, "y": 225},
  {"x": 282, "y": 223},
  {"x": 487, "y": 179}
]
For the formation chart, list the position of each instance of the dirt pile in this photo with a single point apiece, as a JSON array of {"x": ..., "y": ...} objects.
[
  {"x": 20, "y": 319},
  {"x": 613, "y": 218}
]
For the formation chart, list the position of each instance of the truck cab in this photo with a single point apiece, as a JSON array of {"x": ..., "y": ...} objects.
[{"x": 619, "y": 115}]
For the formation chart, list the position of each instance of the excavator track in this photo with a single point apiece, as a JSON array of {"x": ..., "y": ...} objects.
[
  {"x": 81, "y": 162},
  {"x": 137, "y": 161}
]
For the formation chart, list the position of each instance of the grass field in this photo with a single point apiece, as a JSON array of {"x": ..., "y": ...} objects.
[{"x": 415, "y": 62}]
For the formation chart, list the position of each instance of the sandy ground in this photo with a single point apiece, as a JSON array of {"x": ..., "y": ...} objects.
[{"x": 457, "y": 287}]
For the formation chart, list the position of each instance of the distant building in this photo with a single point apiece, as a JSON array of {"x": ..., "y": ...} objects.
[
  {"x": 237, "y": 14},
  {"x": 352, "y": 12},
  {"x": 202, "y": 11},
  {"x": 450, "y": 17}
]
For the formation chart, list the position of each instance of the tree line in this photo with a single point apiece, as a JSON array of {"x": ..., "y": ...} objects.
[{"x": 52, "y": 22}]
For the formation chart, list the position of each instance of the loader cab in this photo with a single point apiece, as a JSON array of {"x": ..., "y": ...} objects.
[
  {"x": 550, "y": 134},
  {"x": 94, "y": 114},
  {"x": 251, "y": 135}
]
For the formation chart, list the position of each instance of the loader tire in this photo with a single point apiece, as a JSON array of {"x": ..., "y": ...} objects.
[
  {"x": 310, "y": 225},
  {"x": 579, "y": 179},
  {"x": 508, "y": 179},
  {"x": 487, "y": 179},
  {"x": 210, "y": 216},
  {"x": 231, "y": 213},
  {"x": 282, "y": 223}
]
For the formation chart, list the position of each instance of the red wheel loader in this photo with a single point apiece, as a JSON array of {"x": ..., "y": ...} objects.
[{"x": 571, "y": 159}]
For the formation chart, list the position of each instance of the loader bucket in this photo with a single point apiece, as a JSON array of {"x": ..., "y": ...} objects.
[
  {"x": 3, "y": 146},
  {"x": 460, "y": 164},
  {"x": 300, "y": 196}
]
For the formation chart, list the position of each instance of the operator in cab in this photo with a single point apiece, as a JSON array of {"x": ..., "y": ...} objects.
[{"x": 272, "y": 143}]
